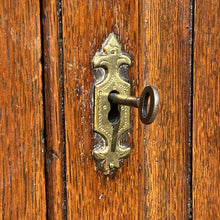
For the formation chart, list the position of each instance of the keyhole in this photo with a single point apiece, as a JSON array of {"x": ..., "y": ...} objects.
[{"x": 114, "y": 114}]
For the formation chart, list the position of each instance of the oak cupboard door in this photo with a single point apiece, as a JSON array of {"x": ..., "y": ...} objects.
[
  {"x": 206, "y": 111},
  {"x": 46, "y": 110},
  {"x": 22, "y": 179},
  {"x": 153, "y": 182}
]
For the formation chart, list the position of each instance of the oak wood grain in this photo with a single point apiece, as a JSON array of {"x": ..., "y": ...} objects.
[
  {"x": 90, "y": 194},
  {"x": 206, "y": 111},
  {"x": 55, "y": 172},
  {"x": 164, "y": 61},
  {"x": 152, "y": 180},
  {"x": 22, "y": 181}
]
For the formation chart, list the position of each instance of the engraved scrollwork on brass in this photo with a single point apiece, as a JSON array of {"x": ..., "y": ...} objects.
[
  {"x": 112, "y": 103},
  {"x": 110, "y": 58}
]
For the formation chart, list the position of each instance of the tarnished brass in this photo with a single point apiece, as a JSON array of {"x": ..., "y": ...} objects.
[
  {"x": 112, "y": 105},
  {"x": 111, "y": 58}
]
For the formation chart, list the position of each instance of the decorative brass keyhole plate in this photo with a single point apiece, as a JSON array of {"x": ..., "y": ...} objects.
[{"x": 111, "y": 121}]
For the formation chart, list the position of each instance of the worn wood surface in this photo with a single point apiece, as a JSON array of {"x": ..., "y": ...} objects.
[
  {"x": 152, "y": 180},
  {"x": 164, "y": 61},
  {"x": 206, "y": 111},
  {"x": 90, "y": 194},
  {"x": 55, "y": 167},
  {"x": 22, "y": 182},
  {"x": 155, "y": 181}
]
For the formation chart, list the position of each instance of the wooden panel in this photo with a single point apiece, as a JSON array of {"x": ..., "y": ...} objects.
[
  {"x": 55, "y": 174},
  {"x": 90, "y": 194},
  {"x": 164, "y": 58},
  {"x": 206, "y": 110},
  {"x": 22, "y": 182},
  {"x": 152, "y": 180}
]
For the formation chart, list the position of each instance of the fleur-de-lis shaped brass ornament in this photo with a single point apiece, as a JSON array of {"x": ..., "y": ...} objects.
[
  {"x": 111, "y": 121},
  {"x": 112, "y": 105}
]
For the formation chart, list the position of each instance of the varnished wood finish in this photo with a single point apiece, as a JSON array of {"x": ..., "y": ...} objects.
[
  {"x": 152, "y": 179},
  {"x": 55, "y": 172},
  {"x": 90, "y": 194},
  {"x": 22, "y": 182},
  {"x": 206, "y": 111},
  {"x": 154, "y": 182},
  {"x": 164, "y": 61}
]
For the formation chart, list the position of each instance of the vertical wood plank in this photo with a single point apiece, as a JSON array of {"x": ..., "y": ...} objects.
[
  {"x": 55, "y": 173},
  {"x": 22, "y": 182},
  {"x": 206, "y": 110},
  {"x": 164, "y": 58},
  {"x": 90, "y": 194}
]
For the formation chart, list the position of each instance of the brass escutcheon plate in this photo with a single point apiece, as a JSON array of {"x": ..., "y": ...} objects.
[{"x": 110, "y": 58}]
